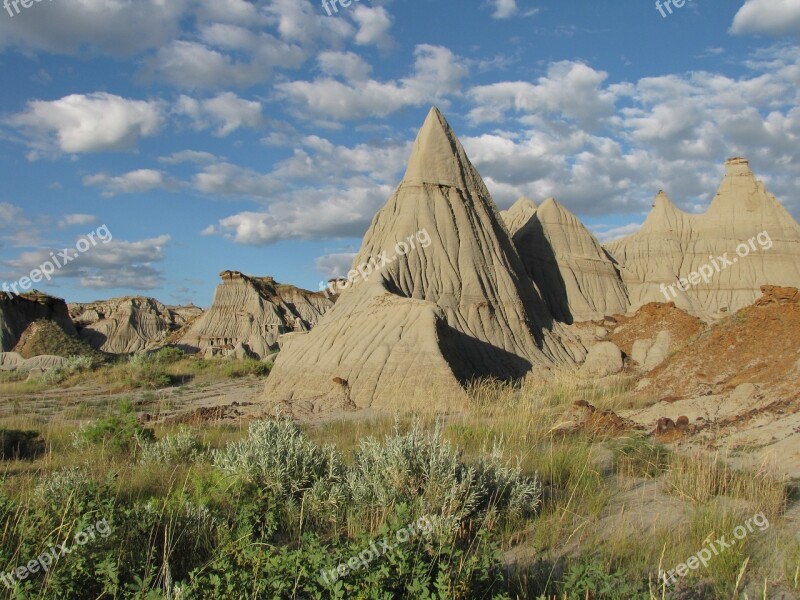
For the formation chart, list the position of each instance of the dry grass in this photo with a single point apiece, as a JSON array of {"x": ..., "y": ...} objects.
[{"x": 583, "y": 475}]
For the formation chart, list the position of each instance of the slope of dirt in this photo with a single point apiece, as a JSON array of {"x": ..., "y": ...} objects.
[
  {"x": 758, "y": 345},
  {"x": 734, "y": 387},
  {"x": 45, "y": 337},
  {"x": 649, "y": 320}
]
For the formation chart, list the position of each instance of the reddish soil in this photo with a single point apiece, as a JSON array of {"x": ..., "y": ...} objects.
[
  {"x": 649, "y": 321},
  {"x": 760, "y": 344}
]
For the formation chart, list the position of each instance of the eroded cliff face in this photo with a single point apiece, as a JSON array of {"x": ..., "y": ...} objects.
[
  {"x": 249, "y": 314},
  {"x": 130, "y": 324},
  {"x": 456, "y": 307},
  {"x": 745, "y": 239},
  {"x": 18, "y": 312},
  {"x": 575, "y": 275}
]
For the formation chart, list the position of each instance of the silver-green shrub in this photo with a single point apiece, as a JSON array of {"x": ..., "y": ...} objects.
[
  {"x": 419, "y": 468},
  {"x": 184, "y": 446},
  {"x": 277, "y": 455}
]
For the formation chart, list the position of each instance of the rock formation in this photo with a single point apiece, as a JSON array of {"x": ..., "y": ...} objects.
[
  {"x": 520, "y": 213},
  {"x": 47, "y": 338},
  {"x": 17, "y": 312},
  {"x": 130, "y": 324},
  {"x": 715, "y": 263},
  {"x": 576, "y": 276},
  {"x": 428, "y": 318},
  {"x": 251, "y": 313}
]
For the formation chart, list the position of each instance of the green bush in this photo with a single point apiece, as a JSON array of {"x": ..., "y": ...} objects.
[
  {"x": 277, "y": 455},
  {"x": 168, "y": 355},
  {"x": 590, "y": 580},
  {"x": 119, "y": 434},
  {"x": 148, "y": 371},
  {"x": 247, "y": 367}
]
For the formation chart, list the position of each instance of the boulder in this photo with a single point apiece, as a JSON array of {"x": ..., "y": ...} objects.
[{"x": 604, "y": 359}]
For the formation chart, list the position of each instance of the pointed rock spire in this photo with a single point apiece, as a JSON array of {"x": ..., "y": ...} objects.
[
  {"x": 519, "y": 214},
  {"x": 673, "y": 245},
  {"x": 446, "y": 299},
  {"x": 439, "y": 158},
  {"x": 578, "y": 280}
]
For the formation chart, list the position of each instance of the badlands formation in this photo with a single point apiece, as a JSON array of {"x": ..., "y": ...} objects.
[
  {"x": 673, "y": 244},
  {"x": 504, "y": 294},
  {"x": 129, "y": 325},
  {"x": 248, "y": 316},
  {"x": 18, "y": 312},
  {"x": 576, "y": 276},
  {"x": 459, "y": 308}
]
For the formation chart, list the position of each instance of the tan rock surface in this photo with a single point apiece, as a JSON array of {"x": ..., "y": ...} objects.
[
  {"x": 577, "y": 278},
  {"x": 433, "y": 318},
  {"x": 252, "y": 313},
  {"x": 129, "y": 324},
  {"x": 673, "y": 245}
]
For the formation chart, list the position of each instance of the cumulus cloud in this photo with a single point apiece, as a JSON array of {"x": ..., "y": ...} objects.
[
  {"x": 139, "y": 181},
  {"x": 310, "y": 214},
  {"x": 88, "y": 123},
  {"x": 769, "y": 17},
  {"x": 187, "y": 156},
  {"x": 373, "y": 26},
  {"x": 334, "y": 265},
  {"x": 611, "y": 149},
  {"x": 437, "y": 74},
  {"x": 322, "y": 190},
  {"x": 225, "y": 113},
  {"x": 74, "y": 219},
  {"x": 117, "y": 264},
  {"x": 504, "y": 9},
  {"x": 572, "y": 90},
  {"x": 116, "y": 27}
]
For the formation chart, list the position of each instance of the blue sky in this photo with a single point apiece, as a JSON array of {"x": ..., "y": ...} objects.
[{"x": 263, "y": 136}]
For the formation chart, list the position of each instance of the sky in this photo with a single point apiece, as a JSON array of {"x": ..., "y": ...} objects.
[{"x": 160, "y": 142}]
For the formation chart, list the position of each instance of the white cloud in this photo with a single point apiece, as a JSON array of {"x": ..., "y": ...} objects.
[
  {"x": 309, "y": 214},
  {"x": 116, "y": 27},
  {"x": 347, "y": 65},
  {"x": 770, "y": 17},
  {"x": 88, "y": 123},
  {"x": 335, "y": 264},
  {"x": 606, "y": 148},
  {"x": 322, "y": 190},
  {"x": 373, "y": 26},
  {"x": 572, "y": 90},
  {"x": 437, "y": 74},
  {"x": 187, "y": 156},
  {"x": 139, "y": 181},
  {"x": 504, "y": 9},
  {"x": 226, "y": 112},
  {"x": 74, "y": 219},
  {"x": 115, "y": 264},
  {"x": 609, "y": 234}
]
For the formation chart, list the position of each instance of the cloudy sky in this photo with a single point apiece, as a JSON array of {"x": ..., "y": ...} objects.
[{"x": 262, "y": 136}]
